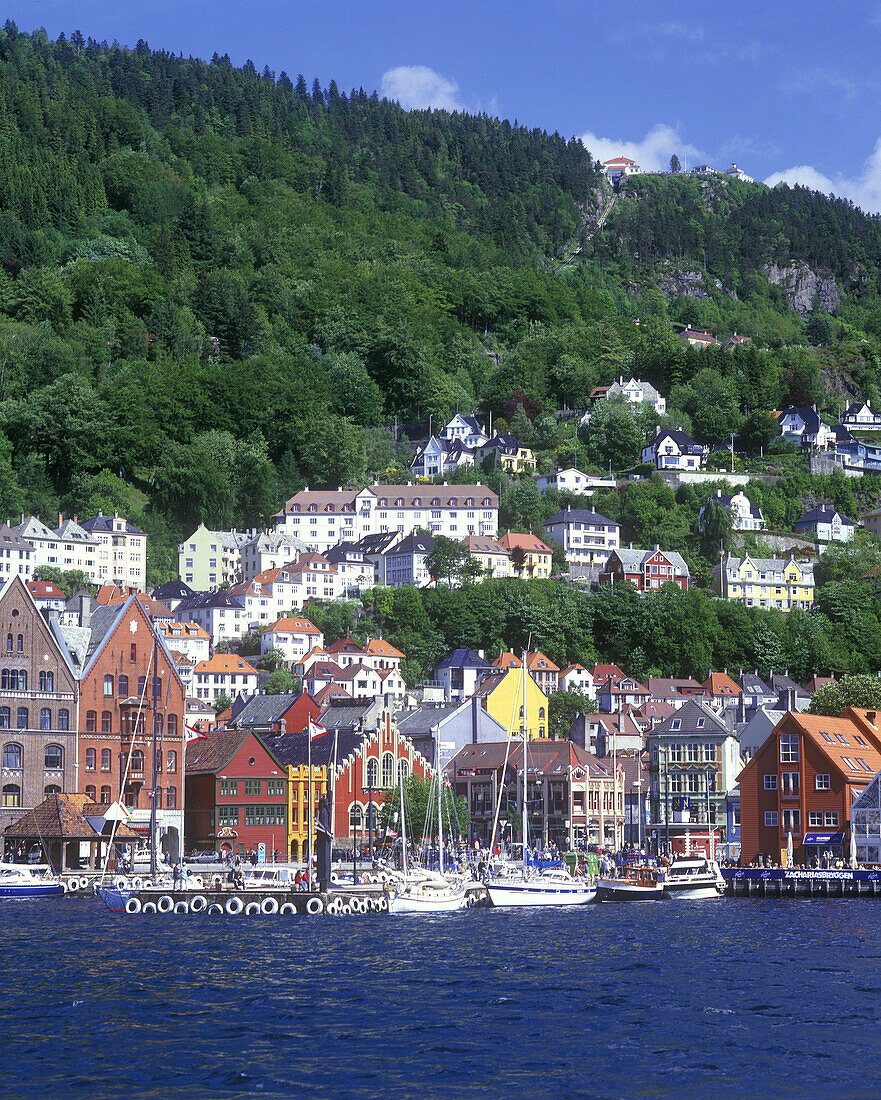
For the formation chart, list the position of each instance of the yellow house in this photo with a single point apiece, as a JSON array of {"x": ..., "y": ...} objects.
[
  {"x": 537, "y": 555},
  {"x": 506, "y": 453},
  {"x": 298, "y": 805},
  {"x": 501, "y": 694},
  {"x": 766, "y": 582},
  {"x": 493, "y": 557}
]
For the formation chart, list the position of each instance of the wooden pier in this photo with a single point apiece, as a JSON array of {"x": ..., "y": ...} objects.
[{"x": 780, "y": 882}]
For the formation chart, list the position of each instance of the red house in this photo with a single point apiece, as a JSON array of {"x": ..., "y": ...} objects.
[
  {"x": 802, "y": 781},
  {"x": 288, "y": 713},
  {"x": 645, "y": 569},
  {"x": 237, "y": 795}
]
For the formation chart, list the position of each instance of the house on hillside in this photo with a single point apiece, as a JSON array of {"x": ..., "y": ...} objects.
[
  {"x": 440, "y": 456},
  {"x": 826, "y": 525},
  {"x": 861, "y": 415},
  {"x": 586, "y": 536},
  {"x": 645, "y": 569},
  {"x": 619, "y": 168},
  {"x": 745, "y": 516},
  {"x": 674, "y": 450}
]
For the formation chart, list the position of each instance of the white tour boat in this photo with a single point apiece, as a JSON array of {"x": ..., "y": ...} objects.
[
  {"x": 638, "y": 883},
  {"x": 36, "y": 880},
  {"x": 692, "y": 878}
]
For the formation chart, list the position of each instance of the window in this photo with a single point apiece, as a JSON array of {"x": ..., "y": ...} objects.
[
  {"x": 142, "y": 683},
  {"x": 862, "y": 763},
  {"x": 791, "y": 819},
  {"x": 770, "y": 819},
  {"x": 770, "y": 782},
  {"x": 133, "y": 653},
  {"x": 356, "y": 819},
  {"x": 388, "y": 770},
  {"x": 275, "y": 786},
  {"x": 91, "y": 792},
  {"x": 4, "y": 718},
  {"x": 403, "y": 769},
  {"x": 122, "y": 684},
  {"x": 23, "y": 718},
  {"x": 45, "y": 718},
  {"x": 861, "y": 740},
  {"x": 47, "y": 681},
  {"x": 842, "y": 740},
  {"x": 790, "y": 784},
  {"x": 229, "y": 787},
  {"x": 12, "y": 756},
  {"x": 171, "y": 798},
  {"x": 789, "y": 748},
  {"x": 171, "y": 725},
  {"x": 252, "y": 787},
  {"x": 19, "y": 643},
  {"x": 676, "y": 724},
  {"x": 693, "y": 752},
  {"x": 106, "y": 721},
  {"x": 830, "y": 819},
  {"x": 372, "y": 772},
  {"x": 11, "y": 795},
  {"x": 171, "y": 764},
  {"x": 9, "y": 643},
  {"x": 64, "y": 719},
  {"x": 91, "y": 721},
  {"x": 108, "y": 685},
  {"x": 815, "y": 819},
  {"x": 90, "y": 760},
  {"x": 54, "y": 757},
  {"x": 138, "y": 760},
  {"x": 676, "y": 753},
  {"x": 105, "y": 760},
  {"x": 822, "y": 782},
  {"x": 105, "y": 796}
]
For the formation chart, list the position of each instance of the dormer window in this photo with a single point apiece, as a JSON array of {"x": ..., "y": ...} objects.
[
  {"x": 313, "y": 507},
  {"x": 435, "y": 502},
  {"x": 453, "y": 502},
  {"x": 329, "y": 508},
  {"x": 399, "y": 503}
]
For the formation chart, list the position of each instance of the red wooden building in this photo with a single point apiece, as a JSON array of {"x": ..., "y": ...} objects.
[
  {"x": 802, "y": 781},
  {"x": 237, "y": 795}
]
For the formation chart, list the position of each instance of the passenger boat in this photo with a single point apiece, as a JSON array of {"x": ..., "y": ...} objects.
[
  {"x": 692, "y": 878},
  {"x": 36, "y": 880},
  {"x": 638, "y": 883}
]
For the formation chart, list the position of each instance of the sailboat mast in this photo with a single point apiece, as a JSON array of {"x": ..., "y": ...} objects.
[
  {"x": 440, "y": 820},
  {"x": 523, "y": 823},
  {"x": 403, "y": 826}
]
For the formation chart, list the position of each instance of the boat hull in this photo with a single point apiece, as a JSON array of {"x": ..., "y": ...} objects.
[
  {"x": 696, "y": 892},
  {"x": 610, "y": 889},
  {"x": 32, "y": 890},
  {"x": 521, "y": 894},
  {"x": 414, "y": 903}
]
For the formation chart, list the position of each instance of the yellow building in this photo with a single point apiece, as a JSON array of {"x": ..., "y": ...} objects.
[
  {"x": 537, "y": 555},
  {"x": 298, "y": 805},
  {"x": 506, "y": 453},
  {"x": 872, "y": 521},
  {"x": 501, "y": 694},
  {"x": 493, "y": 557},
  {"x": 766, "y": 582}
]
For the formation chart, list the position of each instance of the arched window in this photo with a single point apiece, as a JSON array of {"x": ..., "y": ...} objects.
[
  {"x": 19, "y": 643},
  {"x": 45, "y": 718},
  {"x": 158, "y": 798},
  {"x": 90, "y": 792},
  {"x": 105, "y": 796},
  {"x": 53, "y": 788},
  {"x": 64, "y": 719},
  {"x": 54, "y": 757},
  {"x": 122, "y": 683},
  {"x": 90, "y": 760},
  {"x": 541, "y": 713},
  {"x": 23, "y": 718},
  {"x": 91, "y": 721},
  {"x": 403, "y": 770},
  {"x": 157, "y": 724},
  {"x": 171, "y": 766},
  {"x": 4, "y": 718},
  {"x": 372, "y": 771},
  {"x": 11, "y": 794},
  {"x": 108, "y": 685},
  {"x": 140, "y": 724},
  {"x": 106, "y": 721},
  {"x": 22, "y": 680},
  {"x": 8, "y": 643},
  {"x": 356, "y": 818},
  {"x": 388, "y": 770},
  {"x": 105, "y": 760},
  {"x": 47, "y": 681},
  {"x": 137, "y": 760},
  {"x": 142, "y": 683},
  {"x": 12, "y": 755}
]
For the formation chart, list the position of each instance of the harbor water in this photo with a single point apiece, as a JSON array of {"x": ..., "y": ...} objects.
[{"x": 729, "y": 996}]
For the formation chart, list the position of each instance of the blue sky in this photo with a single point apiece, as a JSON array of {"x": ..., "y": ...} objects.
[{"x": 787, "y": 90}]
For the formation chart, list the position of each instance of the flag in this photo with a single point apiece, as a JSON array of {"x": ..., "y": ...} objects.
[
  {"x": 193, "y": 734},
  {"x": 315, "y": 731},
  {"x": 390, "y": 834}
]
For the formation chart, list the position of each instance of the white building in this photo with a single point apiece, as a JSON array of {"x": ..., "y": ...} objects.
[
  {"x": 466, "y": 430},
  {"x": 738, "y": 173},
  {"x": 745, "y": 516},
  {"x": 405, "y": 562},
  {"x": 638, "y": 393},
  {"x": 587, "y": 537},
  {"x": 219, "y": 613},
  {"x": 269, "y": 551},
  {"x": 16, "y": 555},
  {"x": 576, "y": 677},
  {"x": 67, "y": 547},
  {"x": 674, "y": 450},
  {"x": 441, "y": 456},
  {"x": 322, "y": 519},
  {"x": 122, "y": 551},
  {"x": 619, "y": 167},
  {"x": 572, "y": 480},
  {"x": 826, "y": 525},
  {"x": 224, "y": 673},
  {"x": 190, "y": 639},
  {"x": 294, "y": 637}
]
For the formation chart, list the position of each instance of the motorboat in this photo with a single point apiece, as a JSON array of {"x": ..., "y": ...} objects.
[
  {"x": 637, "y": 883},
  {"x": 556, "y": 887},
  {"x": 35, "y": 880},
  {"x": 693, "y": 878}
]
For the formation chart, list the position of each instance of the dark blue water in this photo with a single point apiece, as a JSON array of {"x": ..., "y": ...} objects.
[{"x": 720, "y": 997}]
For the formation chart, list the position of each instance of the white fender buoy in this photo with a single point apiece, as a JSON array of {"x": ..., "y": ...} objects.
[
  {"x": 148, "y": 907},
  {"x": 314, "y": 906},
  {"x": 268, "y": 905},
  {"x": 199, "y": 904},
  {"x": 234, "y": 906},
  {"x": 73, "y": 884},
  {"x": 181, "y": 907},
  {"x": 347, "y": 909},
  {"x": 84, "y": 883},
  {"x": 133, "y": 905},
  {"x": 120, "y": 882},
  {"x": 137, "y": 882},
  {"x": 214, "y": 909},
  {"x": 383, "y": 903},
  {"x": 288, "y": 909},
  {"x": 165, "y": 904},
  {"x": 252, "y": 909}
]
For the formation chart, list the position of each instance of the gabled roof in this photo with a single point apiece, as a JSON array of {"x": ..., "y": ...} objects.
[
  {"x": 414, "y": 543},
  {"x": 379, "y": 647},
  {"x": 209, "y": 601},
  {"x": 688, "y": 716},
  {"x": 264, "y": 710},
  {"x": 45, "y": 590},
  {"x": 172, "y": 590},
  {"x": 105, "y": 523},
  {"x": 536, "y": 660},
  {"x": 225, "y": 663},
  {"x": 206, "y": 756},
  {"x": 683, "y": 441},
  {"x": 290, "y": 625},
  {"x": 601, "y": 673},
  {"x": 819, "y": 514},
  {"x": 580, "y": 515},
  {"x": 721, "y": 684},
  {"x": 331, "y": 693},
  {"x": 632, "y": 560},
  {"x": 514, "y": 539},
  {"x": 65, "y": 817},
  {"x": 463, "y": 658}
]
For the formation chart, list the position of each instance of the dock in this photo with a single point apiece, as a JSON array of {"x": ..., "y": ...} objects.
[{"x": 796, "y": 882}]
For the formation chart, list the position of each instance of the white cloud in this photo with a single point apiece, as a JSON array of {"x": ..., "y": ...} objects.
[
  {"x": 417, "y": 86},
  {"x": 864, "y": 189},
  {"x": 652, "y": 153}
]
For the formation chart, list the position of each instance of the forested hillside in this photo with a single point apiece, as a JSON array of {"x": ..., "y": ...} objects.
[{"x": 219, "y": 284}]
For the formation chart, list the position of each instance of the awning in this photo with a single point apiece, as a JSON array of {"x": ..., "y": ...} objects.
[{"x": 824, "y": 838}]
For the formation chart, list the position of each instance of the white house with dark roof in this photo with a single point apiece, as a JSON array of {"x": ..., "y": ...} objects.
[
  {"x": 572, "y": 480},
  {"x": 405, "y": 562},
  {"x": 745, "y": 516},
  {"x": 122, "y": 550},
  {"x": 466, "y": 430},
  {"x": 587, "y": 537},
  {"x": 861, "y": 415},
  {"x": 638, "y": 393},
  {"x": 674, "y": 450},
  {"x": 269, "y": 551},
  {"x": 807, "y": 426},
  {"x": 826, "y": 525},
  {"x": 440, "y": 456}
]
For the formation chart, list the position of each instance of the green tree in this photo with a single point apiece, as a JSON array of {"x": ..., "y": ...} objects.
[
  {"x": 420, "y": 807},
  {"x": 862, "y": 691},
  {"x": 282, "y": 682},
  {"x": 273, "y": 660},
  {"x": 563, "y": 707},
  {"x": 222, "y": 702},
  {"x": 675, "y": 166},
  {"x": 446, "y": 560}
]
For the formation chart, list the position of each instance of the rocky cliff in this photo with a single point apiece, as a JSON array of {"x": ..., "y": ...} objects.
[{"x": 804, "y": 288}]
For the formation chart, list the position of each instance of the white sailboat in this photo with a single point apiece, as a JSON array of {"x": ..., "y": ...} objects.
[
  {"x": 421, "y": 891},
  {"x": 554, "y": 887}
]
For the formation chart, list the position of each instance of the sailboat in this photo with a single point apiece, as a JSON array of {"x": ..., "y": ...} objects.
[
  {"x": 421, "y": 891},
  {"x": 553, "y": 887}
]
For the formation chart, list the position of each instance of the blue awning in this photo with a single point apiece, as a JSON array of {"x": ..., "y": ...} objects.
[{"x": 824, "y": 838}]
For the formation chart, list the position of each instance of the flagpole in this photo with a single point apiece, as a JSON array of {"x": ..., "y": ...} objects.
[{"x": 309, "y": 806}]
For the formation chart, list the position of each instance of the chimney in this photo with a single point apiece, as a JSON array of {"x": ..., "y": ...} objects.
[
  {"x": 60, "y": 519},
  {"x": 741, "y": 708}
]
